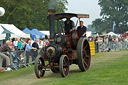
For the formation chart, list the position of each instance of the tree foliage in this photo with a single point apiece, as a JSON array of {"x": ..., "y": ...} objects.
[
  {"x": 113, "y": 10},
  {"x": 29, "y": 13}
]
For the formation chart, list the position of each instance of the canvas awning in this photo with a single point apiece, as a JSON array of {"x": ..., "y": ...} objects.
[{"x": 14, "y": 31}]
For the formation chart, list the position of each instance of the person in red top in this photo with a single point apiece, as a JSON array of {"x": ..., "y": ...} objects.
[{"x": 11, "y": 44}]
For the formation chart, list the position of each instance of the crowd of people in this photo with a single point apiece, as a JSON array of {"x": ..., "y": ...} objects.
[
  {"x": 109, "y": 43},
  {"x": 22, "y": 47}
]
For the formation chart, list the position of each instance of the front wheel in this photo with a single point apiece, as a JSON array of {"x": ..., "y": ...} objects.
[
  {"x": 64, "y": 66},
  {"x": 38, "y": 67}
]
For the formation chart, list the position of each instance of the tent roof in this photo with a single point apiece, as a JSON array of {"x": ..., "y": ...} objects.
[
  {"x": 45, "y": 32},
  {"x": 26, "y": 30},
  {"x": 5, "y": 30},
  {"x": 38, "y": 32},
  {"x": 13, "y": 29},
  {"x": 112, "y": 33}
]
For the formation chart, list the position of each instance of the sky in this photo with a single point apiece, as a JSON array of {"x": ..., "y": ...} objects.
[{"x": 90, "y": 7}]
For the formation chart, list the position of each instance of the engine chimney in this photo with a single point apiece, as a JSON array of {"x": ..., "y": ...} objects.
[{"x": 51, "y": 17}]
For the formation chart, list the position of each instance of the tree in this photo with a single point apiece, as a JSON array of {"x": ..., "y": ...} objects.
[
  {"x": 100, "y": 25},
  {"x": 114, "y": 10},
  {"x": 28, "y": 13}
]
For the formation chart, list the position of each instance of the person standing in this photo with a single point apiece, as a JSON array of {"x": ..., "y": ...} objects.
[
  {"x": 19, "y": 44},
  {"x": 15, "y": 44},
  {"x": 28, "y": 51},
  {"x": 68, "y": 26},
  {"x": 40, "y": 43},
  {"x": 35, "y": 51},
  {"x": 81, "y": 30},
  {"x": 31, "y": 41},
  {"x": 11, "y": 44}
]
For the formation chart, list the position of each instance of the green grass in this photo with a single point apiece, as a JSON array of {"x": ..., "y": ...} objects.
[
  {"x": 110, "y": 68},
  {"x": 16, "y": 73}
]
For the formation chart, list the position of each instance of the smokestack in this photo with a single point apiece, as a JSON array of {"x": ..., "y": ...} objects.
[{"x": 51, "y": 17}]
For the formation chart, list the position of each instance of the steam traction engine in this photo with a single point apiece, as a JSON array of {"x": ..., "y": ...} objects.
[{"x": 63, "y": 49}]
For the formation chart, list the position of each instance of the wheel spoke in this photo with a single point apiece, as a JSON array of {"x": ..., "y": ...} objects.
[
  {"x": 87, "y": 56},
  {"x": 85, "y": 47},
  {"x": 85, "y": 62}
]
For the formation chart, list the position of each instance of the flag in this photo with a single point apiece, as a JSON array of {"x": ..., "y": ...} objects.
[{"x": 113, "y": 26}]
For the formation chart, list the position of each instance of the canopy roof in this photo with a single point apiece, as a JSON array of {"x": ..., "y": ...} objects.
[
  {"x": 13, "y": 30},
  {"x": 5, "y": 30},
  {"x": 45, "y": 32},
  {"x": 26, "y": 30},
  {"x": 70, "y": 15},
  {"x": 112, "y": 33},
  {"x": 38, "y": 33}
]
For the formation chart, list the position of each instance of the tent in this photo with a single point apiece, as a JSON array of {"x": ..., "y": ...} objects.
[
  {"x": 38, "y": 33},
  {"x": 33, "y": 35},
  {"x": 112, "y": 34},
  {"x": 14, "y": 31},
  {"x": 45, "y": 32},
  {"x": 2, "y": 36}
]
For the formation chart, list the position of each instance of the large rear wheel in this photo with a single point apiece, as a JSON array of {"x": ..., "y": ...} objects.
[
  {"x": 84, "y": 56},
  {"x": 39, "y": 63},
  {"x": 64, "y": 66}
]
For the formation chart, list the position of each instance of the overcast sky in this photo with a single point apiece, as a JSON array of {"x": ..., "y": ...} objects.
[{"x": 90, "y": 7}]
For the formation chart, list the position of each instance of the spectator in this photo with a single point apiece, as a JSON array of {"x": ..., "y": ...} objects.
[
  {"x": 23, "y": 44},
  {"x": 28, "y": 51},
  {"x": 109, "y": 38},
  {"x": 100, "y": 40},
  {"x": 46, "y": 37},
  {"x": 40, "y": 43},
  {"x": 11, "y": 44},
  {"x": 15, "y": 43},
  {"x": 44, "y": 42},
  {"x": 47, "y": 43},
  {"x": 35, "y": 51},
  {"x": 5, "y": 48},
  {"x": 19, "y": 44},
  {"x": 96, "y": 45},
  {"x": 31, "y": 41},
  {"x": 116, "y": 39}
]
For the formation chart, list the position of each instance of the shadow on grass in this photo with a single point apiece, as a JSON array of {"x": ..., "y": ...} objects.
[{"x": 58, "y": 75}]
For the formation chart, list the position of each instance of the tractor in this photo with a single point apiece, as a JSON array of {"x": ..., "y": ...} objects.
[{"x": 64, "y": 49}]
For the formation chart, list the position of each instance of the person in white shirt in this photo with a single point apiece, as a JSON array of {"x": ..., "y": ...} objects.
[
  {"x": 40, "y": 43},
  {"x": 31, "y": 41},
  {"x": 15, "y": 43}
]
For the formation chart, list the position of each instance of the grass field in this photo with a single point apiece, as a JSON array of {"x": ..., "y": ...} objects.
[{"x": 110, "y": 68}]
